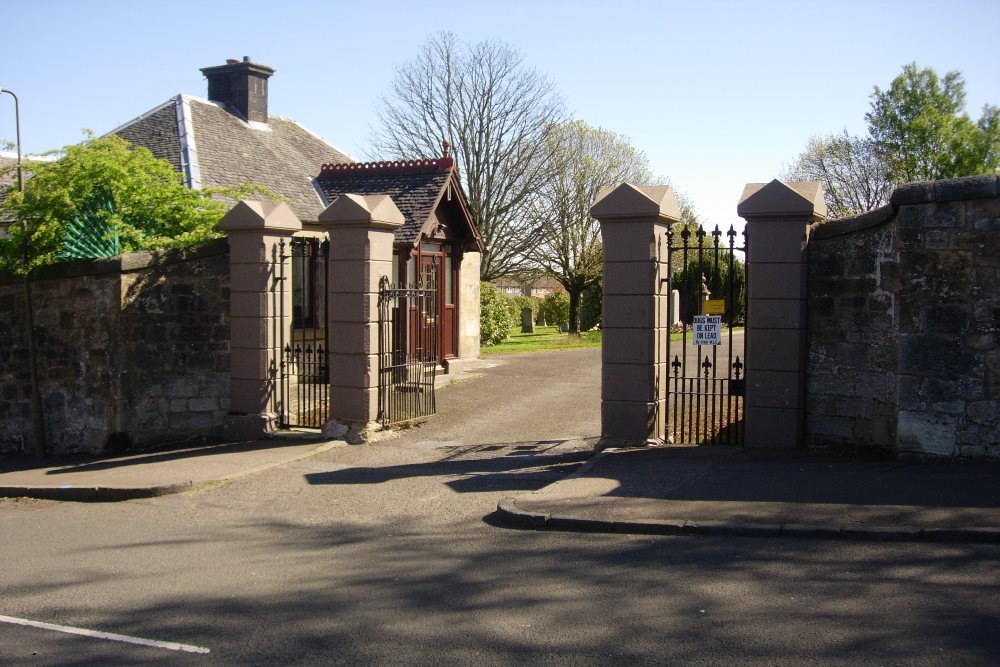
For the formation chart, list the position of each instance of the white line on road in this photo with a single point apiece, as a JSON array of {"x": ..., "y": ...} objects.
[{"x": 173, "y": 646}]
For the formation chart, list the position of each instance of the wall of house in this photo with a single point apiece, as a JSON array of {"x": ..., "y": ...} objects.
[
  {"x": 468, "y": 310},
  {"x": 132, "y": 350},
  {"x": 904, "y": 323}
]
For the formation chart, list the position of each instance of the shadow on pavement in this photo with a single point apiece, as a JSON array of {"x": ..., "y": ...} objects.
[
  {"x": 75, "y": 463},
  {"x": 797, "y": 476}
]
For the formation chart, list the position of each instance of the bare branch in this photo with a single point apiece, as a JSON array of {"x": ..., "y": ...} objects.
[
  {"x": 581, "y": 161},
  {"x": 496, "y": 112}
]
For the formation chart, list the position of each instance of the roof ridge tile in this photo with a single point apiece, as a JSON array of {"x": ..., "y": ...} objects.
[{"x": 389, "y": 167}]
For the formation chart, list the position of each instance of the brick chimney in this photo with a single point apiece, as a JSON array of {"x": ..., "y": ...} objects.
[{"x": 242, "y": 86}]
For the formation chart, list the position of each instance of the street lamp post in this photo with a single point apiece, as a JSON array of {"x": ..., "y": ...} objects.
[
  {"x": 37, "y": 417},
  {"x": 17, "y": 124}
]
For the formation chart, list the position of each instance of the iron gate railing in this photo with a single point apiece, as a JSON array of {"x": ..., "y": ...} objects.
[
  {"x": 407, "y": 350},
  {"x": 706, "y": 388},
  {"x": 304, "y": 374}
]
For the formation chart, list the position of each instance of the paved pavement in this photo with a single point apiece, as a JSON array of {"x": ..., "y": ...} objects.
[
  {"x": 150, "y": 474},
  {"x": 731, "y": 491},
  {"x": 669, "y": 490}
]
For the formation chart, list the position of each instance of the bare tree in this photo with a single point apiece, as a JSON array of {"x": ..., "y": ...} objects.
[
  {"x": 582, "y": 160},
  {"x": 855, "y": 178},
  {"x": 496, "y": 112}
]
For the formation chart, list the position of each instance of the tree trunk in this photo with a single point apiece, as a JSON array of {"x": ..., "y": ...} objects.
[{"x": 574, "y": 309}]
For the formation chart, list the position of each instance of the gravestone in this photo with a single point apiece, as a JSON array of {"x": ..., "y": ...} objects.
[{"x": 527, "y": 321}]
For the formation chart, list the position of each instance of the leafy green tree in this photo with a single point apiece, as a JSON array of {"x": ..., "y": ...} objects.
[
  {"x": 582, "y": 160},
  {"x": 922, "y": 133},
  {"x": 555, "y": 308},
  {"x": 917, "y": 131},
  {"x": 133, "y": 198}
]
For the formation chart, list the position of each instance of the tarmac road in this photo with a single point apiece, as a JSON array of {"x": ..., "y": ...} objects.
[{"x": 385, "y": 554}]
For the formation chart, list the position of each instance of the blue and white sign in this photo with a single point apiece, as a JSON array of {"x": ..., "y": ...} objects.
[{"x": 707, "y": 329}]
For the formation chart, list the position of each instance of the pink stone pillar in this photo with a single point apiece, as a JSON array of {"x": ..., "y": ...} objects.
[
  {"x": 361, "y": 230},
  {"x": 259, "y": 306},
  {"x": 634, "y": 223},
  {"x": 778, "y": 215}
]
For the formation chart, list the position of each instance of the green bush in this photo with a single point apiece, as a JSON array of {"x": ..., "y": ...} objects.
[
  {"x": 498, "y": 314},
  {"x": 591, "y": 307},
  {"x": 555, "y": 309}
]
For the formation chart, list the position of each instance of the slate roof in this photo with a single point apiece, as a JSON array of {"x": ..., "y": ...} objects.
[
  {"x": 213, "y": 147},
  {"x": 157, "y": 131},
  {"x": 415, "y": 186}
]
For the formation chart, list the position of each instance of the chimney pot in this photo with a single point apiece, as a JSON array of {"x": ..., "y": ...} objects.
[{"x": 246, "y": 59}]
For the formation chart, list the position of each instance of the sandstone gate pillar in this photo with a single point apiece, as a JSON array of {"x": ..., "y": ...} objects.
[
  {"x": 634, "y": 223},
  {"x": 361, "y": 230},
  {"x": 778, "y": 216},
  {"x": 258, "y": 301}
]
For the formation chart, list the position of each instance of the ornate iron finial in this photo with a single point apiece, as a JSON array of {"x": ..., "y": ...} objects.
[
  {"x": 676, "y": 365},
  {"x": 707, "y": 365},
  {"x": 716, "y": 235}
]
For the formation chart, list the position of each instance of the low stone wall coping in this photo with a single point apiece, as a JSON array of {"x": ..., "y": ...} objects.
[
  {"x": 132, "y": 261},
  {"x": 952, "y": 189},
  {"x": 928, "y": 192},
  {"x": 839, "y": 227}
]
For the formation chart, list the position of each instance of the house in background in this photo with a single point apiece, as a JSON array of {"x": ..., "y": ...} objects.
[
  {"x": 534, "y": 286},
  {"x": 231, "y": 138}
]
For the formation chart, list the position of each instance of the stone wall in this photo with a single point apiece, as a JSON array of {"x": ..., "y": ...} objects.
[
  {"x": 133, "y": 351},
  {"x": 904, "y": 323}
]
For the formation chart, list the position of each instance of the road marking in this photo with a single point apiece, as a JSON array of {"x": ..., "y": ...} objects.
[{"x": 173, "y": 646}]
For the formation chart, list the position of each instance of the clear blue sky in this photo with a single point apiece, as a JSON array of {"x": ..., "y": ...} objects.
[{"x": 716, "y": 93}]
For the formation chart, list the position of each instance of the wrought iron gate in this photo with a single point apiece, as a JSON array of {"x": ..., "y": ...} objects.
[
  {"x": 304, "y": 375},
  {"x": 407, "y": 350},
  {"x": 706, "y": 386}
]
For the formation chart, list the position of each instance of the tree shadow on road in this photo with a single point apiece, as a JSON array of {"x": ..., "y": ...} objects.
[{"x": 525, "y": 466}]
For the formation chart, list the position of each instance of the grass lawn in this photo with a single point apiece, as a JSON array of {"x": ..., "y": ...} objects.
[
  {"x": 543, "y": 340},
  {"x": 550, "y": 338}
]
